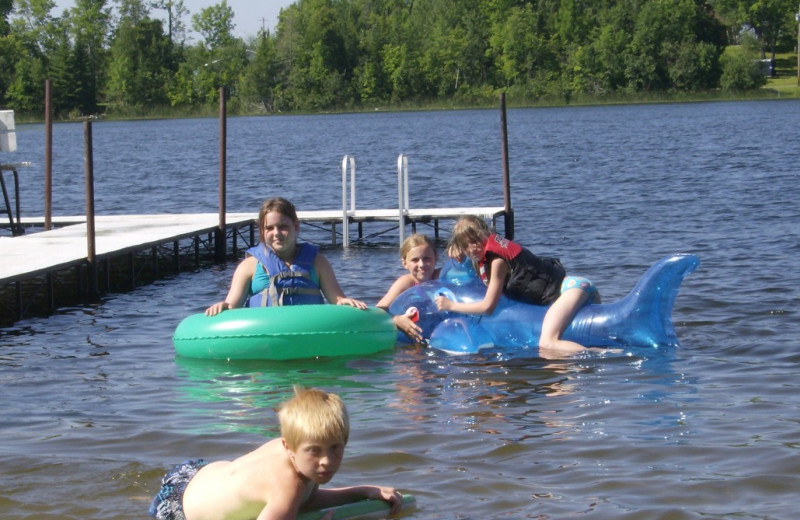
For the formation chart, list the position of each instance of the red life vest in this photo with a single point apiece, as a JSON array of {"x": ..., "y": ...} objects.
[{"x": 532, "y": 279}]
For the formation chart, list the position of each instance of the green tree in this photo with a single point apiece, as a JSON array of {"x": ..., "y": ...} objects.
[
  {"x": 741, "y": 72},
  {"x": 610, "y": 48},
  {"x": 62, "y": 71},
  {"x": 315, "y": 55},
  {"x": 771, "y": 20},
  {"x": 176, "y": 28},
  {"x": 5, "y": 12},
  {"x": 89, "y": 22},
  {"x": 215, "y": 24},
  {"x": 140, "y": 59},
  {"x": 262, "y": 77},
  {"x": 524, "y": 53},
  {"x": 7, "y": 49},
  {"x": 33, "y": 32},
  {"x": 218, "y": 61},
  {"x": 666, "y": 35}
]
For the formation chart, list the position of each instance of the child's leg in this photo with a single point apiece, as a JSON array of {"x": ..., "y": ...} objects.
[{"x": 556, "y": 320}]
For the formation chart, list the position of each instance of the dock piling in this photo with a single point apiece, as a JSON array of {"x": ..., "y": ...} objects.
[
  {"x": 219, "y": 241},
  {"x": 88, "y": 169}
]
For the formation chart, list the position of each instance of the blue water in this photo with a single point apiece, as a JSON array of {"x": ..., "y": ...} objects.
[{"x": 96, "y": 407}]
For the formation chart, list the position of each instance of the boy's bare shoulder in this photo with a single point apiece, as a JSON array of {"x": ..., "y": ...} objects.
[
  {"x": 244, "y": 486},
  {"x": 270, "y": 455}
]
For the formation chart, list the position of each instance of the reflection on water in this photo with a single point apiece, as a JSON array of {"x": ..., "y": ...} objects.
[{"x": 238, "y": 392}]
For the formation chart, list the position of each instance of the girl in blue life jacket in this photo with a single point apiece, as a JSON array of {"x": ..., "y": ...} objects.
[
  {"x": 508, "y": 268},
  {"x": 281, "y": 271}
]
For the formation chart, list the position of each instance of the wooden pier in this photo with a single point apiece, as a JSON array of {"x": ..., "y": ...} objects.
[
  {"x": 76, "y": 259},
  {"x": 42, "y": 271}
]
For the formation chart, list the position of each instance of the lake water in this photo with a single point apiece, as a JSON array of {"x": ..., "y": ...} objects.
[{"x": 96, "y": 407}]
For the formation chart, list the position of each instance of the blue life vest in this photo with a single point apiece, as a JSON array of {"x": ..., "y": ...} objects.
[{"x": 288, "y": 285}]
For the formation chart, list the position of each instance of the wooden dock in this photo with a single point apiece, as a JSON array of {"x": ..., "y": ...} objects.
[
  {"x": 79, "y": 258},
  {"x": 43, "y": 270}
]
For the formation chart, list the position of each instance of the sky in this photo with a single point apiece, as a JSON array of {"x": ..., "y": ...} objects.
[{"x": 249, "y": 15}]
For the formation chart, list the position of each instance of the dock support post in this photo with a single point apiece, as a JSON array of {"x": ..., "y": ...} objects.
[
  {"x": 106, "y": 275},
  {"x": 48, "y": 156},
  {"x": 88, "y": 168},
  {"x": 347, "y": 160},
  {"x": 402, "y": 195},
  {"x": 51, "y": 299},
  {"x": 509, "y": 212},
  {"x": 132, "y": 269},
  {"x": 220, "y": 241},
  {"x": 154, "y": 255},
  {"x": 20, "y": 310}
]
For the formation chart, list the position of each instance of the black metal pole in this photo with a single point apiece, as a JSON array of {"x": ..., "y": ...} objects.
[
  {"x": 509, "y": 212},
  {"x": 48, "y": 156},
  {"x": 88, "y": 168},
  {"x": 220, "y": 240}
]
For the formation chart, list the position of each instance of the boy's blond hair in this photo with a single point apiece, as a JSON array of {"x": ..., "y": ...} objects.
[
  {"x": 313, "y": 415},
  {"x": 413, "y": 241},
  {"x": 467, "y": 229}
]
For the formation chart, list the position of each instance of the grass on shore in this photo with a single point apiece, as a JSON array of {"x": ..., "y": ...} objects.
[{"x": 786, "y": 82}]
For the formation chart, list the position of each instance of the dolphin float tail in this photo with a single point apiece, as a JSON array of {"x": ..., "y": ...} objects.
[{"x": 644, "y": 316}]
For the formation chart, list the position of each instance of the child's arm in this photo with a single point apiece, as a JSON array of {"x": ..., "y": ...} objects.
[
  {"x": 283, "y": 503},
  {"x": 401, "y": 321},
  {"x": 242, "y": 277},
  {"x": 398, "y": 287},
  {"x": 322, "y": 498},
  {"x": 330, "y": 287},
  {"x": 498, "y": 270}
]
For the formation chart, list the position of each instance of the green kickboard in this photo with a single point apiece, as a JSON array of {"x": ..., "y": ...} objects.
[{"x": 359, "y": 510}]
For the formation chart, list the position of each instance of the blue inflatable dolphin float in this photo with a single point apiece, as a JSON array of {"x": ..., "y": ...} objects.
[{"x": 643, "y": 318}]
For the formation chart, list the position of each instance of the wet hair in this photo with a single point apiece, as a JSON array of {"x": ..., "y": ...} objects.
[
  {"x": 313, "y": 415},
  {"x": 467, "y": 229},
  {"x": 277, "y": 204},
  {"x": 416, "y": 240}
]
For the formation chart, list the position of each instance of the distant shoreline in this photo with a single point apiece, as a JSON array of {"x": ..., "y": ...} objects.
[{"x": 779, "y": 88}]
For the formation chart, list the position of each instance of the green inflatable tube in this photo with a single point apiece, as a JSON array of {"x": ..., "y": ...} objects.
[{"x": 291, "y": 332}]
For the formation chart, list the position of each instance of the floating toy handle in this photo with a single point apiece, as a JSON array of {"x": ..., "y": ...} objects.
[{"x": 447, "y": 293}]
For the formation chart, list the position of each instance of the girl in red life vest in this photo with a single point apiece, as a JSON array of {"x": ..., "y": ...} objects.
[
  {"x": 418, "y": 256},
  {"x": 508, "y": 268}
]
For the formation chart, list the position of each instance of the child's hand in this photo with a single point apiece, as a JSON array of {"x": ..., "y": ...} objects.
[
  {"x": 412, "y": 330},
  {"x": 352, "y": 302},
  {"x": 388, "y": 494},
  {"x": 443, "y": 303},
  {"x": 217, "y": 308}
]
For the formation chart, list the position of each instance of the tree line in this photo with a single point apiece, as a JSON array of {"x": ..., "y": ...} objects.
[{"x": 126, "y": 56}]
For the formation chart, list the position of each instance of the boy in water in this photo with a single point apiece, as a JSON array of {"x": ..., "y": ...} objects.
[{"x": 278, "y": 479}]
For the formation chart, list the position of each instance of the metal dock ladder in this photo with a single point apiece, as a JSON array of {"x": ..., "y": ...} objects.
[{"x": 8, "y": 143}]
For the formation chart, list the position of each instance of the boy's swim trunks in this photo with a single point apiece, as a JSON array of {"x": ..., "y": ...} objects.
[{"x": 168, "y": 503}]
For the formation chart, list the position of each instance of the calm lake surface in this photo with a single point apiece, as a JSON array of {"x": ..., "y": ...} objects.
[{"x": 95, "y": 406}]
